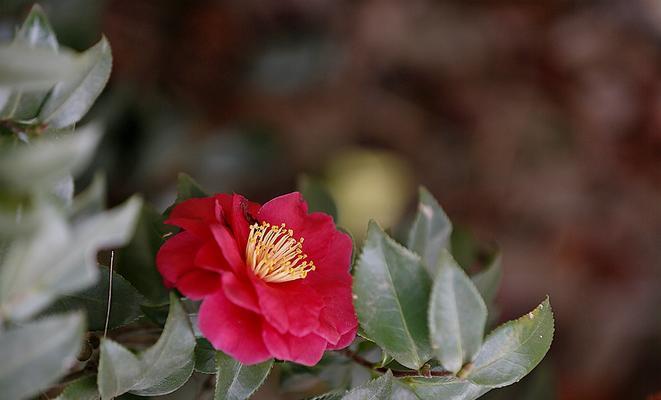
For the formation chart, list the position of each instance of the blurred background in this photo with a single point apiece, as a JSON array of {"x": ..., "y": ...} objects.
[{"x": 537, "y": 125}]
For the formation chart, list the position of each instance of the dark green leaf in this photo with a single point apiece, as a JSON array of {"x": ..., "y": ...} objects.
[
  {"x": 187, "y": 188},
  {"x": 125, "y": 302},
  {"x": 457, "y": 315},
  {"x": 81, "y": 389},
  {"x": 160, "y": 369},
  {"x": 513, "y": 349},
  {"x": 391, "y": 294},
  {"x": 487, "y": 281},
  {"x": 317, "y": 196},
  {"x": 430, "y": 232},
  {"x": 377, "y": 389},
  {"x": 137, "y": 261},
  {"x": 69, "y": 101},
  {"x": 36, "y": 354},
  {"x": 236, "y": 381},
  {"x": 446, "y": 388},
  {"x": 205, "y": 357}
]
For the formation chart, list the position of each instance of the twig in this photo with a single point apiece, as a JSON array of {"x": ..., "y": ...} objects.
[
  {"x": 367, "y": 364},
  {"x": 112, "y": 259}
]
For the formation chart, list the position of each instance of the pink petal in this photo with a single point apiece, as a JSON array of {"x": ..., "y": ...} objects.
[
  {"x": 240, "y": 292},
  {"x": 344, "y": 341},
  {"x": 317, "y": 228},
  {"x": 306, "y": 350},
  {"x": 290, "y": 306},
  {"x": 176, "y": 255},
  {"x": 195, "y": 215},
  {"x": 233, "y": 330},
  {"x": 237, "y": 209},
  {"x": 209, "y": 257},
  {"x": 197, "y": 284},
  {"x": 228, "y": 247}
]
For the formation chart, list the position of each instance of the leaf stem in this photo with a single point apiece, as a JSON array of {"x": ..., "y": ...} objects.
[{"x": 396, "y": 373}]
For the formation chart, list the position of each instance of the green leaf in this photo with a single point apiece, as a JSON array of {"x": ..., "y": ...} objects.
[
  {"x": 94, "y": 300},
  {"x": 236, "y": 381},
  {"x": 457, "y": 315},
  {"x": 27, "y": 68},
  {"x": 137, "y": 261},
  {"x": 47, "y": 161},
  {"x": 69, "y": 101},
  {"x": 36, "y": 354},
  {"x": 513, "y": 349},
  {"x": 92, "y": 200},
  {"x": 81, "y": 389},
  {"x": 377, "y": 389},
  {"x": 391, "y": 295},
  {"x": 119, "y": 369},
  {"x": 487, "y": 281},
  {"x": 317, "y": 196},
  {"x": 205, "y": 357},
  {"x": 161, "y": 369},
  {"x": 430, "y": 232},
  {"x": 188, "y": 188},
  {"x": 35, "y": 32},
  {"x": 59, "y": 259},
  {"x": 446, "y": 388}
]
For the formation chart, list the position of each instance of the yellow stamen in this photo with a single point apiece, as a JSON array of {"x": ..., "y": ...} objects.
[{"x": 274, "y": 255}]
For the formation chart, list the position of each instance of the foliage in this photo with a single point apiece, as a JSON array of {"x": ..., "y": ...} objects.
[{"x": 421, "y": 313}]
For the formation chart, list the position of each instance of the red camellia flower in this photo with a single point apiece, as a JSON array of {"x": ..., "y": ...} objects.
[{"x": 274, "y": 280}]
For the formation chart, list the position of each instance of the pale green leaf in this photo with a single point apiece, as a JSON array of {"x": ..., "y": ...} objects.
[
  {"x": 457, "y": 315},
  {"x": 205, "y": 357},
  {"x": 391, "y": 295},
  {"x": 377, "y": 389},
  {"x": 28, "y": 68},
  {"x": 70, "y": 100},
  {"x": 513, "y": 349},
  {"x": 236, "y": 381},
  {"x": 47, "y": 161},
  {"x": 58, "y": 259},
  {"x": 446, "y": 388},
  {"x": 36, "y": 354},
  {"x": 119, "y": 369},
  {"x": 430, "y": 232}
]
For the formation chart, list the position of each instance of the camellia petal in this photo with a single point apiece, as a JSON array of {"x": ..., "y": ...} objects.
[
  {"x": 176, "y": 257},
  {"x": 232, "y": 329},
  {"x": 195, "y": 215},
  {"x": 306, "y": 350},
  {"x": 240, "y": 292}
]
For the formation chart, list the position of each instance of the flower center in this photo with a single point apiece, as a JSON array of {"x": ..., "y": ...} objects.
[{"x": 274, "y": 255}]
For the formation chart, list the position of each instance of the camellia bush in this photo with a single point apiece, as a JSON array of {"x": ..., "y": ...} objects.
[{"x": 209, "y": 298}]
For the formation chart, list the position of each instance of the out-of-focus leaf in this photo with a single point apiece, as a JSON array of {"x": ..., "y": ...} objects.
[
  {"x": 377, "y": 389},
  {"x": 94, "y": 300},
  {"x": 47, "y": 161},
  {"x": 28, "y": 68},
  {"x": 161, "y": 369},
  {"x": 487, "y": 281},
  {"x": 205, "y": 357},
  {"x": 137, "y": 261},
  {"x": 69, "y": 101},
  {"x": 81, "y": 389},
  {"x": 36, "y": 354},
  {"x": 236, "y": 381},
  {"x": 391, "y": 294},
  {"x": 92, "y": 200},
  {"x": 430, "y": 232},
  {"x": 35, "y": 32},
  {"x": 187, "y": 188},
  {"x": 58, "y": 260},
  {"x": 317, "y": 196},
  {"x": 457, "y": 315},
  {"x": 513, "y": 349},
  {"x": 446, "y": 388}
]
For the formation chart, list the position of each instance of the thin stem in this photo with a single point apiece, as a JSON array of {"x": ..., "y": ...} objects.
[
  {"x": 112, "y": 259},
  {"x": 367, "y": 364}
]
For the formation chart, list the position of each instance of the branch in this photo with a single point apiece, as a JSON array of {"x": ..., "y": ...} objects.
[{"x": 423, "y": 372}]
